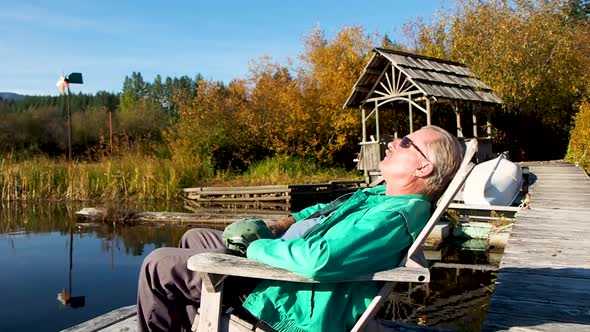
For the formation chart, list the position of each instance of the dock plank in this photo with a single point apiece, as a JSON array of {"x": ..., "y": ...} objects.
[
  {"x": 506, "y": 322},
  {"x": 108, "y": 322},
  {"x": 554, "y": 312},
  {"x": 543, "y": 282},
  {"x": 529, "y": 288}
]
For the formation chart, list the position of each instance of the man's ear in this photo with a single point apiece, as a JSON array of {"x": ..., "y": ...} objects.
[{"x": 424, "y": 170}]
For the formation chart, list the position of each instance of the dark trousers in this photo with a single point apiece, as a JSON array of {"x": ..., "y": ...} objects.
[{"x": 168, "y": 293}]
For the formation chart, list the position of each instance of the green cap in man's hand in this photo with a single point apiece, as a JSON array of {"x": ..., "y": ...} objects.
[{"x": 238, "y": 236}]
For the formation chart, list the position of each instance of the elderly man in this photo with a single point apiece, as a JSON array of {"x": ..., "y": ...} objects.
[{"x": 369, "y": 232}]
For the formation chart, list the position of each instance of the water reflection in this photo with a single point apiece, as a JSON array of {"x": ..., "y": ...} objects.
[
  {"x": 65, "y": 295},
  {"x": 463, "y": 273},
  {"x": 94, "y": 270}
]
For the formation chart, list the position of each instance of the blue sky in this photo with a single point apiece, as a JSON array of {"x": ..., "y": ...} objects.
[{"x": 107, "y": 40}]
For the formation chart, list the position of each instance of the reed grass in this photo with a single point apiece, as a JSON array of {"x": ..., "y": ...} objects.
[
  {"x": 130, "y": 177},
  {"x": 137, "y": 177}
]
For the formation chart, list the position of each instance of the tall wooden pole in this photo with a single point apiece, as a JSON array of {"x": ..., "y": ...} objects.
[
  {"x": 111, "y": 130},
  {"x": 71, "y": 259},
  {"x": 69, "y": 127}
]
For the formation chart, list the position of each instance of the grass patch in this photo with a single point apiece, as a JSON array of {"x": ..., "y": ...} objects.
[{"x": 285, "y": 170}]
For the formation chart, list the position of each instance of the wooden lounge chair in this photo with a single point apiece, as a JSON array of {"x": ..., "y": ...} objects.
[{"x": 214, "y": 267}]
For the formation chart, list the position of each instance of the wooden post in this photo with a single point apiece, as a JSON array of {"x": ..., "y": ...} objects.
[
  {"x": 211, "y": 293},
  {"x": 411, "y": 120},
  {"x": 459, "y": 128},
  {"x": 489, "y": 123},
  {"x": 474, "y": 123},
  {"x": 428, "y": 117},
  {"x": 69, "y": 126},
  {"x": 111, "y": 130},
  {"x": 377, "y": 121},
  {"x": 364, "y": 124},
  {"x": 71, "y": 258}
]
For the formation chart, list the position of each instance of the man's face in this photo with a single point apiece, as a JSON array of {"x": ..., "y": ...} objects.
[{"x": 403, "y": 160}]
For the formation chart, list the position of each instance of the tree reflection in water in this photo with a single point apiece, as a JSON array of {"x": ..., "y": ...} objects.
[{"x": 103, "y": 262}]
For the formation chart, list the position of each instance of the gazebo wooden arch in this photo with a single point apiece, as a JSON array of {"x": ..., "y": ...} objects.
[{"x": 421, "y": 82}]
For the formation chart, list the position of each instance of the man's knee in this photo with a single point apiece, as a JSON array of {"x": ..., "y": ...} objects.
[
  {"x": 202, "y": 238},
  {"x": 194, "y": 233},
  {"x": 153, "y": 258}
]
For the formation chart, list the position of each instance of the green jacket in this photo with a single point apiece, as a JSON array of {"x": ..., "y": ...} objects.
[{"x": 370, "y": 232}]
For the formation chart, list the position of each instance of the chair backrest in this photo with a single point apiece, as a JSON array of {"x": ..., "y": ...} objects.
[{"x": 415, "y": 257}]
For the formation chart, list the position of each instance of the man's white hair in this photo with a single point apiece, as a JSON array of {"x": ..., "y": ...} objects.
[{"x": 445, "y": 153}]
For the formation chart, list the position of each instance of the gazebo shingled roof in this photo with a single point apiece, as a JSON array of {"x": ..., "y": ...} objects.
[{"x": 427, "y": 76}]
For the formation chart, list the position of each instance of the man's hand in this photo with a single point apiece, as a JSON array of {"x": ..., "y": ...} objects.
[{"x": 280, "y": 226}]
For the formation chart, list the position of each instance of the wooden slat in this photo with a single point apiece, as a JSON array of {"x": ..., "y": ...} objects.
[
  {"x": 239, "y": 199},
  {"x": 226, "y": 264},
  {"x": 573, "y": 234},
  {"x": 515, "y": 323},
  {"x": 563, "y": 244},
  {"x": 104, "y": 321},
  {"x": 564, "y": 313},
  {"x": 567, "y": 227},
  {"x": 539, "y": 260},
  {"x": 553, "y": 271},
  {"x": 246, "y": 189},
  {"x": 210, "y": 315},
  {"x": 496, "y": 208},
  {"x": 513, "y": 285}
]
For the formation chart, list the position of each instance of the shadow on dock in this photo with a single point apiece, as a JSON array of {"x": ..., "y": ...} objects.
[{"x": 564, "y": 306}]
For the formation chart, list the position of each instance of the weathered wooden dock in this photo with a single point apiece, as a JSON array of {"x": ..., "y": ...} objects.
[
  {"x": 293, "y": 196},
  {"x": 544, "y": 279}
]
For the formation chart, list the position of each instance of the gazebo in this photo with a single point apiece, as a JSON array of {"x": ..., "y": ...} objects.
[{"x": 423, "y": 83}]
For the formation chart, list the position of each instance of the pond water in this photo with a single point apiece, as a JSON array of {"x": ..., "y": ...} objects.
[{"x": 45, "y": 255}]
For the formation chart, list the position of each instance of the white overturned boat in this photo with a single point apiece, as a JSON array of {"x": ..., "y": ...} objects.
[{"x": 494, "y": 182}]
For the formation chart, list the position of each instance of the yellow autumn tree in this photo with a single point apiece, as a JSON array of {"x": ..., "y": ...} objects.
[
  {"x": 278, "y": 109},
  {"x": 275, "y": 115},
  {"x": 298, "y": 111},
  {"x": 209, "y": 128},
  {"x": 579, "y": 145},
  {"x": 579, "y": 149},
  {"x": 528, "y": 52},
  {"x": 330, "y": 67}
]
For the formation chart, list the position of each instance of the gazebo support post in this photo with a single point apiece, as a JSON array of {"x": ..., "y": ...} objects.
[
  {"x": 474, "y": 116},
  {"x": 489, "y": 123},
  {"x": 458, "y": 115},
  {"x": 411, "y": 119},
  {"x": 377, "y": 121},
  {"x": 364, "y": 115},
  {"x": 428, "y": 117}
]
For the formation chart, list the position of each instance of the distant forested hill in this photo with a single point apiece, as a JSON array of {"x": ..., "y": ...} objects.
[{"x": 11, "y": 96}]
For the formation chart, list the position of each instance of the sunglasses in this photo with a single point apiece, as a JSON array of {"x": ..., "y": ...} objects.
[{"x": 406, "y": 143}]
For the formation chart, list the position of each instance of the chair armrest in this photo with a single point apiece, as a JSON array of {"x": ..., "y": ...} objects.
[{"x": 224, "y": 264}]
